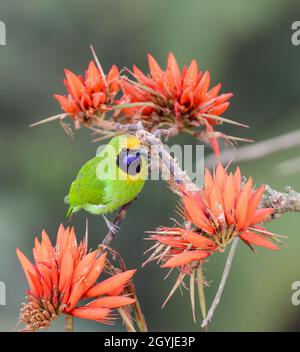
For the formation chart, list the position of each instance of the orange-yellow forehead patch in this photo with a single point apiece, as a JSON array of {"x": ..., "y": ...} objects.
[{"x": 131, "y": 142}]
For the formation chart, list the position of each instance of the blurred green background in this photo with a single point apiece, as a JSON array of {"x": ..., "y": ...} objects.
[{"x": 246, "y": 46}]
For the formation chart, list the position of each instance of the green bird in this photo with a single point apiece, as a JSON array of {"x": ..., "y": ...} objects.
[{"x": 111, "y": 179}]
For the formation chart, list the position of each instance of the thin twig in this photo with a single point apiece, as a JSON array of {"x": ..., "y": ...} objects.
[
  {"x": 201, "y": 295},
  {"x": 126, "y": 320},
  {"x": 118, "y": 219},
  {"x": 136, "y": 307},
  {"x": 69, "y": 323},
  {"x": 49, "y": 119},
  {"x": 226, "y": 272},
  {"x": 257, "y": 150},
  {"x": 131, "y": 292}
]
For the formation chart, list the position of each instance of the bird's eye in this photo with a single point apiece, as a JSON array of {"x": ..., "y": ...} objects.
[{"x": 129, "y": 161}]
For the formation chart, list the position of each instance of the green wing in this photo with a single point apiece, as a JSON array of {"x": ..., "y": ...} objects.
[{"x": 87, "y": 187}]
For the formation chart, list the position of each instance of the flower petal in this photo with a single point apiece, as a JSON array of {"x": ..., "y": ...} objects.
[
  {"x": 258, "y": 240},
  {"x": 74, "y": 85},
  {"x": 213, "y": 140},
  {"x": 208, "y": 181},
  {"x": 197, "y": 240},
  {"x": 242, "y": 205},
  {"x": 93, "y": 79},
  {"x": 94, "y": 272},
  {"x": 191, "y": 75},
  {"x": 61, "y": 242},
  {"x": 220, "y": 176},
  {"x": 111, "y": 302},
  {"x": 84, "y": 266},
  {"x": 203, "y": 85},
  {"x": 216, "y": 204},
  {"x": 69, "y": 106},
  {"x": 113, "y": 79},
  {"x": 195, "y": 213},
  {"x": 171, "y": 240},
  {"x": 97, "y": 314},
  {"x": 29, "y": 271},
  {"x": 185, "y": 258},
  {"x": 261, "y": 215},
  {"x": 66, "y": 271},
  {"x": 219, "y": 109},
  {"x": 213, "y": 92},
  {"x": 237, "y": 179},
  {"x": 173, "y": 72},
  {"x": 114, "y": 282},
  {"x": 253, "y": 203},
  {"x": 155, "y": 70},
  {"x": 229, "y": 200}
]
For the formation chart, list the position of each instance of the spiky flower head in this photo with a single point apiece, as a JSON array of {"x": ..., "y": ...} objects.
[
  {"x": 88, "y": 98},
  {"x": 181, "y": 99},
  {"x": 63, "y": 277},
  {"x": 225, "y": 208}
]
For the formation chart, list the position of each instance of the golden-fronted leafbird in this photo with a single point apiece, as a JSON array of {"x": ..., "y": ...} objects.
[{"x": 111, "y": 179}]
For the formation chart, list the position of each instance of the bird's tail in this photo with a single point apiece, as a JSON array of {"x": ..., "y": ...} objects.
[{"x": 69, "y": 213}]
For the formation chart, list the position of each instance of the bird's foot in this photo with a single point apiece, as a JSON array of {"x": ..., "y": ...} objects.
[{"x": 111, "y": 226}]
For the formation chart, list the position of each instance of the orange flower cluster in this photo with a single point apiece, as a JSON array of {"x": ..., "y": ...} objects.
[
  {"x": 180, "y": 99},
  {"x": 225, "y": 208},
  {"x": 93, "y": 94},
  {"x": 64, "y": 275},
  {"x": 172, "y": 99}
]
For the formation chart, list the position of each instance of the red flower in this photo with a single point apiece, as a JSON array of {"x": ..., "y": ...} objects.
[
  {"x": 64, "y": 275},
  {"x": 180, "y": 98},
  {"x": 223, "y": 209},
  {"x": 226, "y": 207},
  {"x": 91, "y": 95}
]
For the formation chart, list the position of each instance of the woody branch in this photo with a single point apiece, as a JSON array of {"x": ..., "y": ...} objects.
[
  {"x": 282, "y": 202},
  {"x": 110, "y": 234}
]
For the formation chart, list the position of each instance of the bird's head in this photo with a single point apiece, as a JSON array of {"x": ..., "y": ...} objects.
[{"x": 131, "y": 156}]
